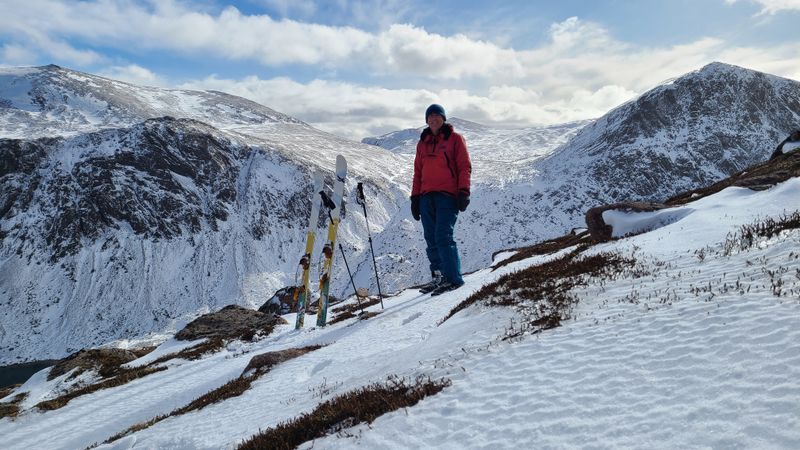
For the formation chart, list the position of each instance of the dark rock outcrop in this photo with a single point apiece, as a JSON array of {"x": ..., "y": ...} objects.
[
  {"x": 600, "y": 231},
  {"x": 282, "y": 302},
  {"x": 231, "y": 322}
]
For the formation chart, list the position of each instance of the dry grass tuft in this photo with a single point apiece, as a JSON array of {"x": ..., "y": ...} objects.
[
  {"x": 545, "y": 248},
  {"x": 362, "y": 405},
  {"x": 264, "y": 362},
  {"x": 8, "y": 410},
  {"x": 749, "y": 235},
  {"x": 543, "y": 292},
  {"x": 231, "y": 322},
  {"x": 11, "y": 409},
  {"x": 107, "y": 362},
  {"x": 7, "y": 390},
  {"x": 352, "y": 310},
  {"x": 124, "y": 377},
  {"x": 211, "y": 345},
  {"x": 260, "y": 364}
]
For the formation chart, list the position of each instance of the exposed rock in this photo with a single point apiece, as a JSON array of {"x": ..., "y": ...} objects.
[
  {"x": 790, "y": 143},
  {"x": 231, "y": 322},
  {"x": 264, "y": 362},
  {"x": 600, "y": 231},
  {"x": 282, "y": 302}
]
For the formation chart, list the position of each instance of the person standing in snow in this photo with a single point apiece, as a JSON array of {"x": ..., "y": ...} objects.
[{"x": 440, "y": 189}]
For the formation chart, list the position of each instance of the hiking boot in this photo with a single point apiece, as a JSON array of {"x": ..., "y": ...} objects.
[
  {"x": 445, "y": 286},
  {"x": 433, "y": 284}
]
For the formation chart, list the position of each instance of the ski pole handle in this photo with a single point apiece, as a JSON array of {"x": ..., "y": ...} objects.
[
  {"x": 327, "y": 201},
  {"x": 360, "y": 194}
]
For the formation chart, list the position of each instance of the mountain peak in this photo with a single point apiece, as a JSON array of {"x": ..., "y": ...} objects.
[{"x": 717, "y": 66}]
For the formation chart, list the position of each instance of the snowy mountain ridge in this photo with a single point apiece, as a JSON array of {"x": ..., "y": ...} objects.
[{"x": 54, "y": 101}]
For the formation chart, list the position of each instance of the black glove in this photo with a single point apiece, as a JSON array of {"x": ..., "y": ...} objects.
[
  {"x": 463, "y": 201},
  {"x": 415, "y": 207}
]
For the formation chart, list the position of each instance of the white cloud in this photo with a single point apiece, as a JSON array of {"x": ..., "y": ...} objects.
[
  {"x": 771, "y": 7},
  {"x": 342, "y": 108},
  {"x": 135, "y": 74},
  {"x": 581, "y": 71},
  {"x": 17, "y": 55},
  {"x": 359, "y": 111}
]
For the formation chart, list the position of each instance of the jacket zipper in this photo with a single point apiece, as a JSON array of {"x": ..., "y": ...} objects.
[{"x": 452, "y": 173}]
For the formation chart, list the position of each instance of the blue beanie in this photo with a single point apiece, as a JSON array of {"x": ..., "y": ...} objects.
[{"x": 435, "y": 109}]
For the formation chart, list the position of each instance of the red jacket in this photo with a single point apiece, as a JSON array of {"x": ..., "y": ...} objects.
[{"x": 442, "y": 163}]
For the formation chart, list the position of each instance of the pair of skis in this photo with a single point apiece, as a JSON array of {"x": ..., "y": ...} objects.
[{"x": 334, "y": 214}]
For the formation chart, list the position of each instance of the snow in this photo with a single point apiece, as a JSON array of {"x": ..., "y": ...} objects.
[
  {"x": 653, "y": 360},
  {"x": 623, "y": 223},
  {"x": 166, "y": 348},
  {"x": 789, "y": 146}
]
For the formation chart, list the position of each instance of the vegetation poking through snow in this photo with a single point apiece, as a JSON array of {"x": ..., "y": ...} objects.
[
  {"x": 339, "y": 413},
  {"x": 543, "y": 292},
  {"x": 11, "y": 409},
  {"x": 351, "y": 310},
  {"x": 7, "y": 390},
  {"x": 258, "y": 366},
  {"x": 545, "y": 248},
  {"x": 107, "y": 361},
  {"x": 211, "y": 345},
  {"x": 122, "y": 378},
  {"x": 749, "y": 236}
]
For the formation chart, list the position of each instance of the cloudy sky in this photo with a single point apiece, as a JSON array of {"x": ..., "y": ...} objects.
[{"x": 363, "y": 68}]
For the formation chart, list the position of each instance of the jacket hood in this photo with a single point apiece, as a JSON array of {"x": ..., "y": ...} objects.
[{"x": 446, "y": 130}]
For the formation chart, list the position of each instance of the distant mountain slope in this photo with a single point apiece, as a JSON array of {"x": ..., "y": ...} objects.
[
  {"x": 142, "y": 223},
  {"x": 499, "y": 155},
  {"x": 695, "y": 130}
]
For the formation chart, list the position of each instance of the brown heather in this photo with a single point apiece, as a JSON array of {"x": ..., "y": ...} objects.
[{"x": 362, "y": 405}]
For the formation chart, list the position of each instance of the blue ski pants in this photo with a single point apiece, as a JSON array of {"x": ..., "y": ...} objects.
[{"x": 439, "y": 212}]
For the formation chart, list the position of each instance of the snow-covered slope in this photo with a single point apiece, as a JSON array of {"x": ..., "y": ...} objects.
[{"x": 696, "y": 348}]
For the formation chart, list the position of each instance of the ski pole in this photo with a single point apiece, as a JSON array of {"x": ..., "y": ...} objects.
[
  {"x": 362, "y": 201},
  {"x": 329, "y": 205},
  {"x": 358, "y": 299}
]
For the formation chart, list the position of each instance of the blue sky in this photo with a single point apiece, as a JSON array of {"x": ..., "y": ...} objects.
[{"x": 359, "y": 68}]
